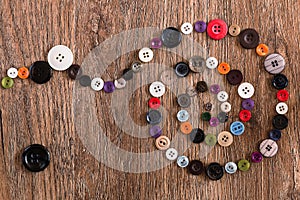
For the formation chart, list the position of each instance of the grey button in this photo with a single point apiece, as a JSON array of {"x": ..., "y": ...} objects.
[
  {"x": 274, "y": 63},
  {"x": 182, "y": 161},
  {"x": 171, "y": 37},
  {"x": 136, "y": 66},
  {"x": 85, "y": 81},
  {"x": 182, "y": 115},
  {"x": 223, "y": 117},
  {"x": 197, "y": 64},
  {"x": 184, "y": 100},
  {"x": 191, "y": 91},
  {"x": 154, "y": 117}
]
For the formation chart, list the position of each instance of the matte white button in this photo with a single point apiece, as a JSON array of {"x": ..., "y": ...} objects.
[
  {"x": 60, "y": 57},
  {"x": 186, "y": 28},
  {"x": 246, "y": 90},
  {"x": 281, "y": 108},
  {"x": 171, "y": 154},
  {"x": 157, "y": 89},
  {"x": 222, "y": 96},
  {"x": 211, "y": 63},
  {"x": 12, "y": 72},
  {"x": 120, "y": 83},
  {"x": 225, "y": 107},
  {"x": 97, "y": 84},
  {"x": 145, "y": 54}
]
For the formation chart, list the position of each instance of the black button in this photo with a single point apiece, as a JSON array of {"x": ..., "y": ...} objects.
[
  {"x": 85, "y": 81},
  {"x": 249, "y": 38},
  {"x": 182, "y": 69},
  {"x": 197, "y": 135},
  {"x": 196, "y": 167},
  {"x": 74, "y": 71},
  {"x": 280, "y": 122},
  {"x": 127, "y": 74},
  {"x": 275, "y": 134},
  {"x": 154, "y": 117},
  {"x": 207, "y": 106},
  {"x": 234, "y": 77},
  {"x": 36, "y": 157},
  {"x": 201, "y": 86},
  {"x": 214, "y": 171},
  {"x": 280, "y": 81},
  {"x": 40, "y": 72},
  {"x": 171, "y": 37},
  {"x": 222, "y": 117}
]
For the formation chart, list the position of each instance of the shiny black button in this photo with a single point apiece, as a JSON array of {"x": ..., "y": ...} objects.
[
  {"x": 234, "y": 77},
  {"x": 154, "y": 117},
  {"x": 182, "y": 69},
  {"x": 85, "y": 81},
  {"x": 196, "y": 167},
  {"x": 35, "y": 157},
  {"x": 214, "y": 171},
  {"x": 280, "y": 81},
  {"x": 74, "y": 71},
  {"x": 201, "y": 86},
  {"x": 197, "y": 135},
  {"x": 40, "y": 72},
  {"x": 127, "y": 74},
  {"x": 171, "y": 37},
  {"x": 280, "y": 122},
  {"x": 249, "y": 38},
  {"x": 207, "y": 106}
]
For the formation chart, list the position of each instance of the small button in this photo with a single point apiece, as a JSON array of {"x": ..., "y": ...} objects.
[
  {"x": 23, "y": 73},
  {"x": 184, "y": 100},
  {"x": 215, "y": 88},
  {"x": 274, "y": 63},
  {"x": 171, "y": 154},
  {"x": 225, "y": 107},
  {"x": 197, "y": 64},
  {"x": 191, "y": 91},
  {"x": 40, "y": 72},
  {"x": 136, "y": 66},
  {"x": 249, "y": 38},
  {"x": 212, "y": 63},
  {"x": 85, "y": 81},
  {"x": 234, "y": 77},
  {"x": 196, "y": 167},
  {"x": 248, "y": 104},
  {"x": 182, "y": 161},
  {"x": 155, "y": 131},
  {"x": 245, "y": 115},
  {"x": 162, "y": 143},
  {"x": 213, "y": 122},
  {"x": 222, "y": 117},
  {"x": 225, "y": 139},
  {"x": 246, "y": 90},
  {"x": 154, "y": 117},
  {"x": 210, "y": 139},
  {"x": 145, "y": 54},
  {"x": 281, "y": 108},
  {"x": 207, "y": 106},
  {"x": 109, "y": 87},
  {"x": 7, "y": 82},
  {"x": 217, "y": 29},
  {"x": 154, "y": 103},
  {"x": 200, "y": 26},
  {"x": 205, "y": 116},
  {"x": 223, "y": 68},
  {"x": 120, "y": 83},
  {"x": 256, "y": 157},
  {"x": 156, "y": 43},
  {"x": 12, "y": 72},
  {"x": 222, "y": 96},
  {"x": 262, "y": 50},
  {"x": 182, "y": 69},
  {"x": 197, "y": 135},
  {"x": 60, "y": 57},
  {"x": 268, "y": 148},
  {"x": 275, "y": 134},
  {"x": 201, "y": 86},
  {"x": 234, "y": 30},
  {"x": 186, "y": 127},
  {"x": 280, "y": 122},
  {"x": 36, "y": 158},
  {"x": 127, "y": 74},
  {"x": 280, "y": 81},
  {"x": 74, "y": 71},
  {"x": 97, "y": 84},
  {"x": 168, "y": 77},
  {"x": 182, "y": 115},
  {"x": 171, "y": 37},
  {"x": 186, "y": 28},
  {"x": 237, "y": 128},
  {"x": 282, "y": 95},
  {"x": 230, "y": 167},
  {"x": 214, "y": 171},
  {"x": 244, "y": 165},
  {"x": 157, "y": 89}
]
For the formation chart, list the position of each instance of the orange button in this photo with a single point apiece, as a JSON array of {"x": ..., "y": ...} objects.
[
  {"x": 186, "y": 127},
  {"x": 223, "y": 68},
  {"x": 262, "y": 50},
  {"x": 23, "y": 73}
]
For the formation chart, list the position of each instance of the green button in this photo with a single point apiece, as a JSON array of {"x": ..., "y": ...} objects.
[
  {"x": 205, "y": 116},
  {"x": 7, "y": 82},
  {"x": 210, "y": 139},
  {"x": 244, "y": 165}
]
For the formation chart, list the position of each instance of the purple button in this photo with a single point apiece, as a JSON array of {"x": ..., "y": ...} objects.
[
  {"x": 109, "y": 87},
  {"x": 215, "y": 89},
  {"x": 214, "y": 122},
  {"x": 200, "y": 26},
  {"x": 156, "y": 43},
  {"x": 155, "y": 131},
  {"x": 248, "y": 104},
  {"x": 256, "y": 157}
]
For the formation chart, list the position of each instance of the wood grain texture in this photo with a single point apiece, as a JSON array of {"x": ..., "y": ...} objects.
[{"x": 32, "y": 113}]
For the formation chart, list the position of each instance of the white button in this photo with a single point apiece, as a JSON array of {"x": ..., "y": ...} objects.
[
  {"x": 182, "y": 161},
  {"x": 225, "y": 107},
  {"x": 281, "y": 108},
  {"x": 120, "y": 83},
  {"x": 222, "y": 96},
  {"x": 230, "y": 167},
  {"x": 97, "y": 84},
  {"x": 211, "y": 63},
  {"x": 60, "y": 57},
  {"x": 157, "y": 89},
  {"x": 145, "y": 54},
  {"x": 12, "y": 72},
  {"x": 171, "y": 154},
  {"x": 246, "y": 90},
  {"x": 186, "y": 28}
]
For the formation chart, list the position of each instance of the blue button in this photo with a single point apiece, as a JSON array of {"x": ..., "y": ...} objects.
[
  {"x": 275, "y": 134},
  {"x": 182, "y": 115},
  {"x": 237, "y": 128},
  {"x": 182, "y": 161}
]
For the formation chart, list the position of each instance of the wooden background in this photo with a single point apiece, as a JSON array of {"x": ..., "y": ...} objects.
[{"x": 32, "y": 113}]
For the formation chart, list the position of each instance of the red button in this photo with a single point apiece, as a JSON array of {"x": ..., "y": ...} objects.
[
  {"x": 217, "y": 29},
  {"x": 154, "y": 103},
  {"x": 245, "y": 115},
  {"x": 282, "y": 95}
]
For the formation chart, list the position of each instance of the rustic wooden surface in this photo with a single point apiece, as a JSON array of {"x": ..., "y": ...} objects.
[{"x": 32, "y": 113}]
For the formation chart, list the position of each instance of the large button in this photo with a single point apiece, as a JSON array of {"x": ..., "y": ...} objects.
[
  {"x": 262, "y": 50},
  {"x": 215, "y": 88},
  {"x": 197, "y": 135},
  {"x": 248, "y": 104},
  {"x": 256, "y": 157},
  {"x": 225, "y": 107},
  {"x": 171, "y": 37},
  {"x": 127, "y": 74},
  {"x": 217, "y": 29},
  {"x": 60, "y": 57},
  {"x": 214, "y": 171},
  {"x": 246, "y": 90},
  {"x": 268, "y": 148},
  {"x": 40, "y": 72},
  {"x": 156, "y": 43},
  {"x": 197, "y": 64},
  {"x": 182, "y": 115},
  {"x": 282, "y": 95},
  {"x": 214, "y": 122},
  {"x": 280, "y": 81},
  {"x": 234, "y": 77},
  {"x": 184, "y": 100},
  {"x": 274, "y": 63},
  {"x": 154, "y": 103},
  {"x": 281, "y": 108},
  {"x": 212, "y": 63},
  {"x": 145, "y": 54},
  {"x": 157, "y": 89},
  {"x": 155, "y": 131},
  {"x": 97, "y": 84},
  {"x": 244, "y": 165},
  {"x": 74, "y": 71},
  {"x": 225, "y": 138},
  {"x": 200, "y": 26},
  {"x": 168, "y": 77},
  {"x": 223, "y": 68},
  {"x": 275, "y": 134},
  {"x": 171, "y": 154},
  {"x": 154, "y": 117},
  {"x": 186, "y": 127},
  {"x": 222, "y": 117},
  {"x": 109, "y": 87},
  {"x": 186, "y": 28},
  {"x": 120, "y": 83},
  {"x": 249, "y": 38},
  {"x": 222, "y": 96},
  {"x": 196, "y": 167},
  {"x": 136, "y": 66},
  {"x": 12, "y": 72},
  {"x": 245, "y": 115},
  {"x": 237, "y": 128},
  {"x": 23, "y": 73},
  {"x": 7, "y": 82},
  {"x": 162, "y": 143},
  {"x": 182, "y": 161},
  {"x": 36, "y": 158},
  {"x": 85, "y": 81},
  {"x": 201, "y": 86},
  {"x": 280, "y": 122},
  {"x": 230, "y": 167},
  {"x": 210, "y": 139},
  {"x": 182, "y": 69},
  {"x": 234, "y": 30}
]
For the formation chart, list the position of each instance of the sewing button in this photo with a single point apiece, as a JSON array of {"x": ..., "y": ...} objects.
[
  {"x": 40, "y": 72},
  {"x": 120, "y": 83},
  {"x": 85, "y": 81},
  {"x": 223, "y": 68},
  {"x": 196, "y": 167},
  {"x": 97, "y": 84},
  {"x": 280, "y": 81},
  {"x": 210, "y": 139},
  {"x": 156, "y": 43},
  {"x": 7, "y": 82},
  {"x": 234, "y": 77},
  {"x": 182, "y": 69},
  {"x": 171, "y": 37},
  {"x": 207, "y": 106},
  {"x": 60, "y": 57},
  {"x": 186, "y": 28},
  {"x": 74, "y": 71},
  {"x": 262, "y": 50},
  {"x": 157, "y": 89},
  {"x": 248, "y": 104},
  {"x": 184, "y": 100},
  {"x": 127, "y": 74},
  {"x": 155, "y": 131},
  {"x": 153, "y": 117},
  {"x": 225, "y": 139},
  {"x": 200, "y": 26},
  {"x": 244, "y": 165},
  {"x": 213, "y": 122},
  {"x": 245, "y": 115},
  {"x": 215, "y": 88},
  {"x": 23, "y": 72},
  {"x": 222, "y": 96},
  {"x": 201, "y": 86},
  {"x": 275, "y": 134},
  {"x": 197, "y": 135},
  {"x": 182, "y": 115},
  {"x": 109, "y": 87},
  {"x": 186, "y": 127},
  {"x": 256, "y": 157},
  {"x": 274, "y": 63},
  {"x": 234, "y": 30},
  {"x": 217, "y": 29},
  {"x": 145, "y": 54},
  {"x": 237, "y": 128},
  {"x": 168, "y": 77},
  {"x": 136, "y": 66},
  {"x": 12, "y": 72},
  {"x": 171, "y": 154},
  {"x": 282, "y": 95},
  {"x": 211, "y": 63},
  {"x": 225, "y": 107},
  {"x": 191, "y": 91},
  {"x": 197, "y": 64},
  {"x": 35, "y": 157},
  {"x": 214, "y": 171},
  {"x": 268, "y": 148},
  {"x": 222, "y": 117},
  {"x": 154, "y": 103},
  {"x": 280, "y": 122},
  {"x": 205, "y": 116},
  {"x": 281, "y": 108},
  {"x": 162, "y": 143},
  {"x": 230, "y": 167},
  {"x": 249, "y": 38},
  {"x": 246, "y": 90},
  {"x": 182, "y": 161}
]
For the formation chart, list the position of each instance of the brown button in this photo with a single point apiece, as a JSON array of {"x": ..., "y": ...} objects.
[
  {"x": 186, "y": 127},
  {"x": 234, "y": 30},
  {"x": 162, "y": 143},
  {"x": 234, "y": 77},
  {"x": 249, "y": 38},
  {"x": 225, "y": 138}
]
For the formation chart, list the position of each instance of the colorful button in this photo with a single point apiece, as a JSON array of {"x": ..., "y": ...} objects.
[
  {"x": 7, "y": 82},
  {"x": 182, "y": 69},
  {"x": 191, "y": 91},
  {"x": 222, "y": 96},
  {"x": 162, "y": 143},
  {"x": 249, "y": 38},
  {"x": 197, "y": 64},
  {"x": 212, "y": 63},
  {"x": 207, "y": 106},
  {"x": 127, "y": 74},
  {"x": 186, "y": 127},
  {"x": 282, "y": 95},
  {"x": 171, "y": 154},
  {"x": 23, "y": 73},
  {"x": 168, "y": 77},
  {"x": 156, "y": 43},
  {"x": 74, "y": 71},
  {"x": 196, "y": 167},
  {"x": 184, "y": 100},
  {"x": 246, "y": 90},
  {"x": 262, "y": 50},
  {"x": 268, "y": 148},
  {"x": 205, "y": 116},
  {"x": 215, "y": 88},
  {"x": 280, "y": 122},
  {"x": 217, "y": 29},
  {"x": 197, "y": 135},
  {"x": 171, "y": 37},
  {"x": 155, "y": 131},
  {"x": 213, "y": 122},
  {"x": 186, "y": 28},
  {"x": 182, "y": 161},
  {"x": 222, "y": 117},
  {"x": 85, "y": 81},
  {"x": 157, "y": 89},
  {"x": 60, "y": 57},
  {"x": 136, "y": 66},
  {"x": 36, "y": 157},
  {"x": 145, "y": 54},
  {"x": 248, "y": 104},
  {"x": 230, "y": 167},
  {"x": 109, "y": 87},
  {"x": 154, "y": 103},
  {"x": 282, "y": 108},
  {"x": 201, "y": 86},
  {"x": 210, "y": 139},
  {"x": 225, "y": 138},
  {"x": 12, "y": 72},
  {"x": 274, "y": 63},
  {"x": 256, "y": 157},
  {"x": 234, "y": 77},
  {"x": 120, "y": 83},
  {"x": 275, "y": 134},
  {"x": 97, "y": 84},
  {"x": 214, "y": 171},
  {"x": 225, "y": 107},
  {"x": 234, "y": 30},
  {"x": 154, "y": 117},
  {"x": 244, "y": 165},
  {"x": 183, "y": 115},
  {"x": 223, "y": 68},
  {"x": 237, "y": 128},
  {"x": 200, "y": 26},
  {"x": 245, "y": 115},
  {"x": 280, "y": 81}
]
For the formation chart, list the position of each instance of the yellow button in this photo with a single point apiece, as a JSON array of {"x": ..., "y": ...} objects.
[{"x": 225, "y": 138}]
